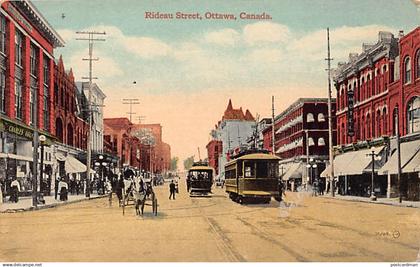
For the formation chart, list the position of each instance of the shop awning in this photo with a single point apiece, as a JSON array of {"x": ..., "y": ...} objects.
[
  {"x": 414, "y": 164},
  {"x": 72, "y": 165},
  {"x": 60, "y": 156},
  {"x": 295, "y": 171},
  {"x": 408, "y": 152},
  {"x": 353, "y": 162}
]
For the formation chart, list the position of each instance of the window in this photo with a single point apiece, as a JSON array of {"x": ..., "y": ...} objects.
[
  {"x": 33, "y": 60},
  {"x": 395, "y": 121},
  {"x": 2, "y": 91},
  {"x": 385, "y": 121},
  {"x": 413, "y": 115},
  {"x": 2, "y": 34},
  {"x": 321, "y": 141},
  {"x": 32, "y": 105},
  {"x": 18, "y": 48},
  {"x": 46, "y": 70},
  {"x": 321, "y": 117},
  {"x": 249, "y": 170},
  {"x": 46, "y": 108},
  {"x": 418, "y": 64},
  {"x": 378, "y": 123},
  {"x": 18, "y": 98},
  {"x": 407, "y": 70},
  {"x": 311, "y": 141},
  {"x": 310, "y": 117}
]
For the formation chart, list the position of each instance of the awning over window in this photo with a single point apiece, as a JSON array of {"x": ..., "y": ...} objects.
[
  {"x": 414, "y": 164},
  {"x": 409, "y": 150},
  {"x": 295, "y": 171},
  {"x": 60, "y": 156},
  {"x": 353, "y": 163},
  {"x": 72, "y": 165}
]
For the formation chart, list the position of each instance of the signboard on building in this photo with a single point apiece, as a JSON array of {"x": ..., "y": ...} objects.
[{"x": 350, "y": 118}]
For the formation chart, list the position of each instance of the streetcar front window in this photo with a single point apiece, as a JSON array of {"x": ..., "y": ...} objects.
[{"x": 266, "y": 169}]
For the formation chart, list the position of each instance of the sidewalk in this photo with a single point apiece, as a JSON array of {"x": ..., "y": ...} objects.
[
  {"x": 25, "y": 203},
  {"x": 383, "y": 201}
]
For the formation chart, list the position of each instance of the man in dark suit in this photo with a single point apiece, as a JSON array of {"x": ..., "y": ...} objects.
[{"x": 172, "y": 190}]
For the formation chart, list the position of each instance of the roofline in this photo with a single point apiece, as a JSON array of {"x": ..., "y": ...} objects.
[
  {"x": 301, "y": 101},
  {"x": 60, "y": 40}
]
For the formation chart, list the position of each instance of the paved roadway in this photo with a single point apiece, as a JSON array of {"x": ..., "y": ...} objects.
[{"x": 214, "y": 229}]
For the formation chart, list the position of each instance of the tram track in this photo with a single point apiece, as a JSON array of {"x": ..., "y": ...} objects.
[
  {"x": 223, "y": 242},
  {"x": 268, "y": 237}
]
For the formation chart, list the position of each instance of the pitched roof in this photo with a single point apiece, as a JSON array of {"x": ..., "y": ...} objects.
[
  {"x": 233, "y": 114},
  {"x": 248, "y": 116},
  {"x": 117, "y": 123}
]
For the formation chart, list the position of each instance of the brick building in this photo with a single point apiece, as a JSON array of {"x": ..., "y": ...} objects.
[
  {"x": 214, "y": 149},
  {"x": 378, "y": 92},
  {"x": 27, "y": 41},
  {"x": 160, "y": 152},
  {"x": 301, "y": 135}
]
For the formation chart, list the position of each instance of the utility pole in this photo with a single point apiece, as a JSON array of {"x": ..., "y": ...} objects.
[
  {"x": 91, "y": 39},
  {"x": 35, "y": 154},
  {"x": 140, "y": 118},
  {"x": 131, "y": 102},
  {"x": 399, "y": 156},
  {"x": 307, "y": 157},
  {"x": 330, "y": 122},
  {"x": 273, "y": 134}
]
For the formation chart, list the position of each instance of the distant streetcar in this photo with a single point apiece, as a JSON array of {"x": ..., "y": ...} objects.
[
  {"x": 252, "y": 176},
  {"x": 200, "y": 179}
]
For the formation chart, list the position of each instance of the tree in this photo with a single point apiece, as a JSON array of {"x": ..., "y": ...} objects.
[
  {"x": 174, "y": 163},
  {"x": 188, "y": 162}
]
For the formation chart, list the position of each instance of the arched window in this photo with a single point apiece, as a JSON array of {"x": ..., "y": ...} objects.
[
  {"x": 413, "y": 115},
  {"x": 395, "y": 121},
  {"x": 321, "y": 117},
  {"x": 363, "y": 128},
  {"x": 384, "y": 118},
  {"x": 418, "y": 64},
  {"x": 321, "y": 141},
  {"x": 368, "y": 133},
  {"x": 310, "y": 117},
  {"x": 407, "y": 70},
  {"x": 343, "y": 134},
  {"x": 378, "y": 124},
  {"x": 311, "y": 141}
]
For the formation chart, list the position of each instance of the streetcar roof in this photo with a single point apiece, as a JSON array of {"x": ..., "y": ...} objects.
[
  {"x": 254, "y": 156},
  {"x": 201, "y": 168}
]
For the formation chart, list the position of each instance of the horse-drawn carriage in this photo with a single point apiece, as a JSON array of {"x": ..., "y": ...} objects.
[{"x": 140, "y": 194}]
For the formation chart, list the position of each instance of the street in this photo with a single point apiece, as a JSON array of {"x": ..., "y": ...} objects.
[{"x": 213, "y": 229}]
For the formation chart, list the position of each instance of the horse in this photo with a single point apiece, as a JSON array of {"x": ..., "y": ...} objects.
[{"x": 140, "y": 199}]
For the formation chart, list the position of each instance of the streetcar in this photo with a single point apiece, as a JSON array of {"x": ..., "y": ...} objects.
[
  {"x": 200, "y": 179},
  {"x": 252, "y": 176}
]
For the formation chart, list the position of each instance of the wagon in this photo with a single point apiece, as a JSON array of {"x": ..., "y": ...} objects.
[{"x": 149, "y": 199}]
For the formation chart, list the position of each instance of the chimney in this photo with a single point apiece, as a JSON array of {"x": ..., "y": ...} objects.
[{"x": 401, "y": 34}]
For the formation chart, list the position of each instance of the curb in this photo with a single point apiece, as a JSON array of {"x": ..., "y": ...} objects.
[
  {"x": 375, "y": 202},
  {"x": 52, "y": 205}
]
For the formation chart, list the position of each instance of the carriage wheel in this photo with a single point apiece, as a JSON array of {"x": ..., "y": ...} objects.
[
  {"x": 123, "y": 204},
  {"x": 155, "y": 206}
]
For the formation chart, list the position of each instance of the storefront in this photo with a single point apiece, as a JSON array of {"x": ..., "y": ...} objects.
[
  {"x": 353, "y": 171},
  {"x": 16, "y": 157},
  {"x": 410, "y": 168}
]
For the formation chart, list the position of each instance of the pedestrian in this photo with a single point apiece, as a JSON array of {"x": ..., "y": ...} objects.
[
  {"x": 119, "y": 189},
  {"x": 64, "y": 187},
  {"x": 176, "y": 187},
  {"x": 172, "y": 190},
  {"x": 1, "y": 191},
  {"x": 57, "y": 181},
  {"x": 77, "y": 187},
  {"x": 15, "y": 189},
  {"x": 281, "y": 189}
]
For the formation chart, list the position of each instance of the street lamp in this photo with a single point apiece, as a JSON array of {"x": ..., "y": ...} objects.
[
  {"x": 372, "y": 192},
  {"x": 42, "y": 140}
]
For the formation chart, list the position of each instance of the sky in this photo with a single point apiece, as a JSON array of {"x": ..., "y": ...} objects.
[{"x": 186, "y": 70}]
